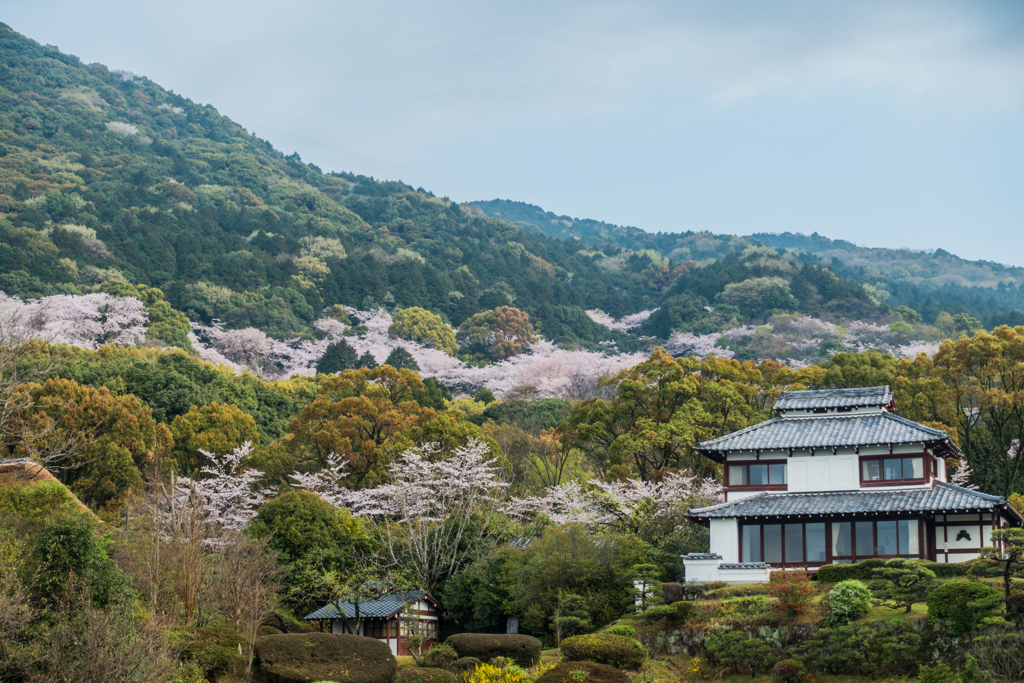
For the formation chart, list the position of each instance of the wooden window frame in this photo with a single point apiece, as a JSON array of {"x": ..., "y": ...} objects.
[
  {"x": 926, "y": 467},
  {"x": 923, "y": 547},
  {"x": 759, "y": 487}
]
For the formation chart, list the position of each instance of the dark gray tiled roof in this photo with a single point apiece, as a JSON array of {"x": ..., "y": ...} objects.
[
  {"x": 941, "y": 497},
  {"x": 825, "y": 431},
  {"x": 834, "y": 398},
  {"x": 384, "y": 606},
  {"x": 702, "y": 556},
  {"x": 744, "y": 565}
]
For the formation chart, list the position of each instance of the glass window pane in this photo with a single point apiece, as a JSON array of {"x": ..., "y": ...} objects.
[
  {"x": 887, "y": 538},
  {"x": 892, "y": 468},
  {"x": 758, "y": 475},
  {"x": 842, "y": 542},
  {"x": 737, "y": 475},
  {"x": 773, "y": 543},
  {"x": 872, "y": 470},
  {"x": 751, "y": 545},
  {"x": 777, "y": 474},
  {"x": 909, "y": 542},
  {"x": 794, "y": 543},
  {"x": 865, "y": 541},
  {"x": 815, "y": 542},
  {"x": 913, "y": 468}
]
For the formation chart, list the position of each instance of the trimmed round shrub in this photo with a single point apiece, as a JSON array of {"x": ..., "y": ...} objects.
[
  {"x": 525, "y": 650},
  {"x": 621, "y": 630},
  {"x": 963, "y": 604},
  {"x": 849, "y": 600},
  {"x": 419, "y": 674},
  {"x": 735, "y": 649},
  {"x": 672, "y": 592},
  {"x": 834, "y": 573},
  {"x": 465, "y": 664},
  {"x": 303, "y": 657},
  {"x": 674, "y": 615},
  {"x": 214, "y": 648},
  {"x": 441, "y": 656},
  {"x": 580, "y": 672},
  {"x": 789, "y": 671},
  {"x": 605, "y": 648}
]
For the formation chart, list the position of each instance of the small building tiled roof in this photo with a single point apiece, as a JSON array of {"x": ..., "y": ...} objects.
[
  {"x": 941, "y": 498},
  {"x": 834, "y": 398},
  {"x": 384, "y": 606},
  {"x": 744, "y": 565},
  {"x": 826, "y": 432},
  {"x": 702, "y": 556}
]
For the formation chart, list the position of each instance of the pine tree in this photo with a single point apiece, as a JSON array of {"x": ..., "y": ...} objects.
[
  {"x": 339, "y": 356},
  {"x": 400, "y": 359}
]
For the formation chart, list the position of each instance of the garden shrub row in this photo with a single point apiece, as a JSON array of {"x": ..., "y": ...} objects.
[
  {"x": 605, "y": 648},
  {"x": 419, "y": 674},
  {"x": 525, "y": 650},
  {"x": 876, "y": 651},
  {"x": 575, "y": 672},
  {"x": 302, "y": 657},
  {"x": 834, "y": 573}
]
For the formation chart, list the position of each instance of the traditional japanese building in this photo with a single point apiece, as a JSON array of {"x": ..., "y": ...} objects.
[
  {"x": 837, "y": 477},
  {"x": 382, "y": 618}
]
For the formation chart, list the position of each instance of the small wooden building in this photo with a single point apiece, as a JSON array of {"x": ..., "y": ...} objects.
[{"x": 382, "y": 619}]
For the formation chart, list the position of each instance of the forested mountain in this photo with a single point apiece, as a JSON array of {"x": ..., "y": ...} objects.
[
  {"x": 108, "y": 180},
  {"x": 929, "y": 282}
]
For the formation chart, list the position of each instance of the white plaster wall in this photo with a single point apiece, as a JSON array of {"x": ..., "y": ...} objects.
[
  {"x": 737, "y": 576},
  {"x": 338, "y": 626},
  {"x": 976, "y": 532},
  {"x": 701, "y": 571},
  {"x": 736, "y": 495},
  {"x": 963, "y": 557},
  {"x": 822, "y": 473},
  {"x": 725, "y": 539}
]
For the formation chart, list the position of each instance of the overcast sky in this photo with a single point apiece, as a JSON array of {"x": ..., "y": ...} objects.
[{"x": 897, "y": 124}]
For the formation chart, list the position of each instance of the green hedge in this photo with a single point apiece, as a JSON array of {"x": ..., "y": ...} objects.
[
  {"x": 418, "y": 674},
  {"x": 671, "y": 616},
  {"x": 525, "y": 650},
  {"x": 465, "y": 665},
  {"x": 834, "y": 573},
  {"x": 575, "y": 672},
  {"x": 604, "y": 648},
  {"x": 302, "y": 657},
  {"x": 963, "y": 604},
  {"x": 621, "y": 630}
]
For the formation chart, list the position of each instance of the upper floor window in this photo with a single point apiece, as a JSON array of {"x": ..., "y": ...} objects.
[
  {"x": 758, "y": 474},
  {"x": 892, "y": 470}
]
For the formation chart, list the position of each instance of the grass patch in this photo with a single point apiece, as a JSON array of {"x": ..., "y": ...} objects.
[
  {"x": 672, "y": 668},
  {"x": 918, "y": 610}
]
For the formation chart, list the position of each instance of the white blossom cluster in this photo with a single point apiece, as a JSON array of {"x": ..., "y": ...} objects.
[
  {"x": 231, "y": 493},
  {"x": 700, "y": 345},
  {"x": 426, "y": 488},
  {"x": 552, "y": 371},
  {"x": 962, "y": 476},
  {"x": 617, "y": 502},
  {"x": 624, "y": 324},
  {"x": 87, "y": 321}
]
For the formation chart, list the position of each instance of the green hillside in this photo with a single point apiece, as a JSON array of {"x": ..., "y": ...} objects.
[
  {"x": 108, "y": 180},
  {"x": 928, "y": 282}
]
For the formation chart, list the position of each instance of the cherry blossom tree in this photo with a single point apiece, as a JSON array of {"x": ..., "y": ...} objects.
[
  {"x": 87, "y": 321},
  {"x": 230, "y": 492},
  {"x": 962, "y": 476},
  {"x": 651, "y": 510},
  {"x": 435, "y": 516},
  {"x": 327, "y": 483},
  {"x": 623, "y": 324}
]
